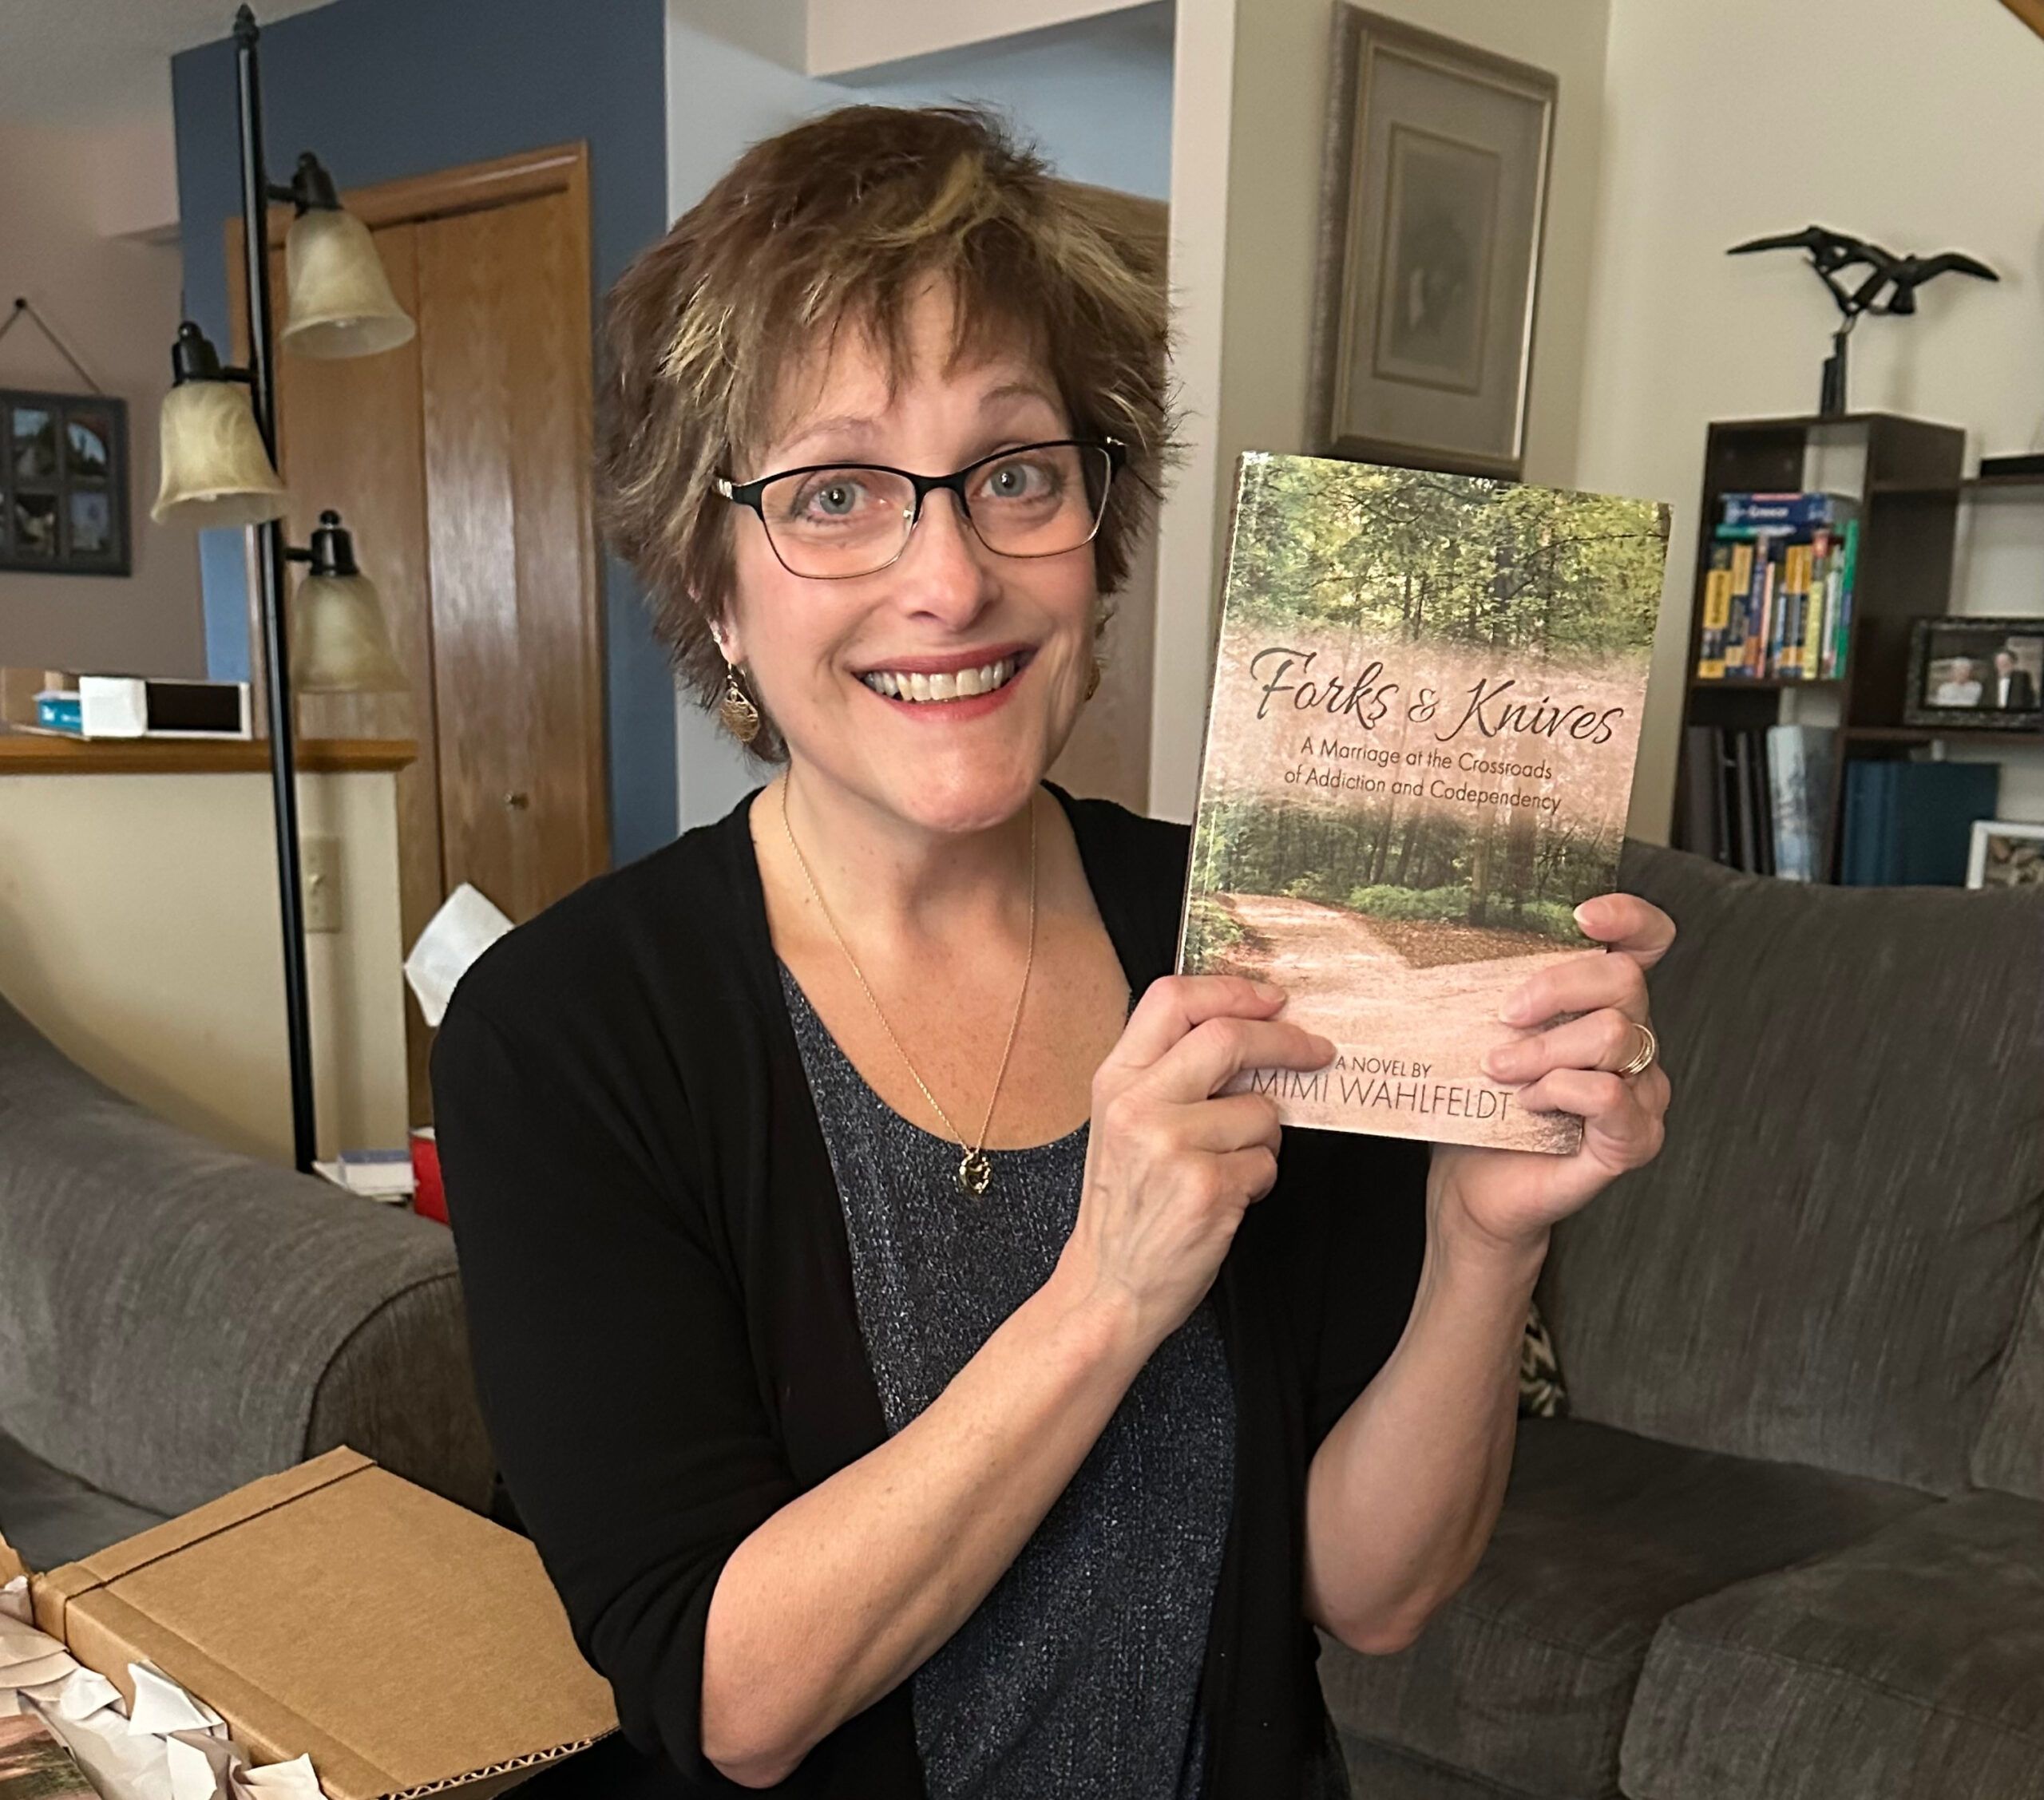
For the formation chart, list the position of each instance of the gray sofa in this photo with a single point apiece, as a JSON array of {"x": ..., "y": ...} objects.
[
  {"x": 175, "y": 1320},
  {"x": 1789, "y": 1542}
]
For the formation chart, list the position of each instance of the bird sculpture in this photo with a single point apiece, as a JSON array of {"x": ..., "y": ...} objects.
[{"x": 1834, "y": 255}]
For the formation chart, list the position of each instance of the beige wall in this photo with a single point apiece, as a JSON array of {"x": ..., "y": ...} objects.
[
  {"x": 115, "y": 301},
  {"x": 1250, "y": 99},
  {"x": 1923, "y": 129},
  {"x": 139, "y": 930}
]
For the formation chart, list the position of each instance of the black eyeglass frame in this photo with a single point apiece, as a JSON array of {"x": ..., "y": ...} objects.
[{"x": 753, "y": 494}]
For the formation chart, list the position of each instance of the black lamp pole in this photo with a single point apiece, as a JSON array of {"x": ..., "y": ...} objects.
[{"x": 255, "y": 196}]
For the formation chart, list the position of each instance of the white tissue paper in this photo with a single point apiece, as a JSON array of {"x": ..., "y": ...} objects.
[
  {"x": 172, "y": 1747},
  {"x": 463, "y": 928}
]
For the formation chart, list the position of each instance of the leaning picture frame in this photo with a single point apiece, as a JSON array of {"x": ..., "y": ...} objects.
[
  {"x": 1975, "y": 674},
  {"x": 2005, "y": 853},
  {"x": 63, "y": 481},
  {"x": 1434, "y": 180}
]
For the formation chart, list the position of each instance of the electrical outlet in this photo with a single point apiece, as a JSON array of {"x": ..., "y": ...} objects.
[{"x": 320, "y": 864}]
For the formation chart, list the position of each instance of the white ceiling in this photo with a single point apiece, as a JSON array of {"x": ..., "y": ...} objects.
[{"x": 78, "y": 62}]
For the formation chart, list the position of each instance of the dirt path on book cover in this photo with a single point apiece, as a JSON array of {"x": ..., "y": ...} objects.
[{"x": 1347, "y": 980}]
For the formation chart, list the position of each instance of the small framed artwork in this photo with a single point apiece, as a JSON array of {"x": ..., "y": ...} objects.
[
  {"x": 1433, "y": 197},
  {"x": 63, "y": 484},
  {"x": 1976, "y": 675},
  {"x": 2005, "y": 854}
]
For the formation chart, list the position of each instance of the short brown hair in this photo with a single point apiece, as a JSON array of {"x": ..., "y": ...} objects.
[{"x": 835, "y": 224}]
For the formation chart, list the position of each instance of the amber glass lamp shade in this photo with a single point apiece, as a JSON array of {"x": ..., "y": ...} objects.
[
  {"x": 215, "y": 471},
  {"x": 339, "y": 643},
  {"x": 341, "y": 302}
]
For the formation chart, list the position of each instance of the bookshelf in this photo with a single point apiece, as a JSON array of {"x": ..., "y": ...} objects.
[{"x": 1906, "y": 472}]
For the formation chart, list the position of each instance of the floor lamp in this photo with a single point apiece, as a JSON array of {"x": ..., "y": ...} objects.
[{"x": 220, "y": 441}]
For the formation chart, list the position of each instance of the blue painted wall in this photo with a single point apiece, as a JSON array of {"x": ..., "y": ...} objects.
[
  {"x": 384, "y": 88},
  {"x": 1095, "y": 95}
]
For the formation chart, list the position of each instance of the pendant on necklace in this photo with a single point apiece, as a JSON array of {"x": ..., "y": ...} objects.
[{"x": 974, "y": 1173}]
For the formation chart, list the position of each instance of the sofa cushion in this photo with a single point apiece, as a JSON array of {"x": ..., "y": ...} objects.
[
  {"x": 176, "y": 1320},
  {"x": 1524, "y": 1678},
  {"x": 1910, "y": 1665},
  {"x": 2009, "y": 1453},
  {"x": 1826, "y": 1262},
  {"x": 52, "y": 1518}
]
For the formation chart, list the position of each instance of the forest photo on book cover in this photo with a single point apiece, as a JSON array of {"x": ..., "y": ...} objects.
[{"x": 1425, "y": 713}]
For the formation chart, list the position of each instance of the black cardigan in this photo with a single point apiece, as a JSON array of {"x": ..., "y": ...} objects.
[{"x": 660, "y": 1307}]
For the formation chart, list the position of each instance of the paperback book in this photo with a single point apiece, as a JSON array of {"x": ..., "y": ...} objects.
[
  {"x": 35, "y": 1766},
  {"x": 1418, "y": 758}
]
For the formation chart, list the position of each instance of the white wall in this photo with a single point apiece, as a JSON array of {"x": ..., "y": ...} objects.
[
  {"x": 139, "y": 932},
  {"x": 1250, "y": 96},
  {"x": 1921, "y": 128},
  {"x": 114, "y": 300}
]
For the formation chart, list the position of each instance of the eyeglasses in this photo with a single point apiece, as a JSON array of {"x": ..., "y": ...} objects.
[{"x": 837, "y": 521}]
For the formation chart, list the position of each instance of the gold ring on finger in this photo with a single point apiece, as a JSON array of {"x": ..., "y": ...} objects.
[{"x": 1641, "y": 1059}]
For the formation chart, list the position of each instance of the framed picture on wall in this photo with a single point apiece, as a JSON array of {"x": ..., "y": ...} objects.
[
  {"x": 1976, "y": 675},
  {"x": 1433, "y": 198},
  {"x": 63, "y": 484}
]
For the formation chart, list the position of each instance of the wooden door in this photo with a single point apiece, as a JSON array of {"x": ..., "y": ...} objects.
[
  {"x": 505, "y": 379},
  {"x": 460, "y": 462}
]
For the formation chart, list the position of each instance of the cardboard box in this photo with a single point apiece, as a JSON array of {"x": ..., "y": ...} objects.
[{"x": 409, "y": 1646}]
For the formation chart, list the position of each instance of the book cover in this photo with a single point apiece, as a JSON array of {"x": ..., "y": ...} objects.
[
  {"x": 1911, "y": 824},
  {"x": 35, "y": 1766},
  {"x": 1703, "y": 800},
  {"x": 1752, "y": 515},
  {"x": 1717, "y": 614},
  {"x": 1418, "y": 755},
  {"x": 1799, "y": 774}
]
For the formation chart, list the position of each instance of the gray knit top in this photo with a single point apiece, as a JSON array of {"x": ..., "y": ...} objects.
[{"x": 1078, "y": 1675}]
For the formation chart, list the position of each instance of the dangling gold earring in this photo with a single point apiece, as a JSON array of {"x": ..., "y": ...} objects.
[
  {"x": 735, "y": 708},
  {"x": 1093, "y": 680}
]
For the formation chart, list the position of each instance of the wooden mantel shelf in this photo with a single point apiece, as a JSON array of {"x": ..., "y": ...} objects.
[{"x": 28, "y": 753}]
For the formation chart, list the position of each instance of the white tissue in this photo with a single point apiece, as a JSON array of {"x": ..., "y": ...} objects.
[
  {"x": 294, "y": 1780},
  {"x": 161, "y": 1707},
  {"x": 174, "y": 1746},
  {"x": 463, "y": 928}
]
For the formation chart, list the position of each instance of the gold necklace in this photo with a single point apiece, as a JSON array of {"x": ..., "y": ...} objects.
[{"x": 975, "y": 1168}]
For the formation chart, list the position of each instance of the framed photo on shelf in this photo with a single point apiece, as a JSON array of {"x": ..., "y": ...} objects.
[
  {"x": 1433, "y": 198},
  {"x": 63, "y": 484},
  {"x": 1975, "y": 675},
  {"x": 2005, "y": 854}
]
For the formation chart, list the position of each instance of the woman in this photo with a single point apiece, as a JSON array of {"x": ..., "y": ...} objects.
[{"x": 914, "y": 1379}]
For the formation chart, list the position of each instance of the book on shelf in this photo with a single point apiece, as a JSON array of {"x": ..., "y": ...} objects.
[
  {"x": 1777, "y": 588},
  {"x": 1749, "y": 515},
  {"x": 1911, "y": 824},
  {"x": 1758, "y": 798},
  {"x": 1799, "y": 774},
  {"x": 1418, "y": 761}
]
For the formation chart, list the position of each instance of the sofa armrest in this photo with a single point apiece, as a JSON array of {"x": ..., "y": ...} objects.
[{"x": 176, "y": 1320}]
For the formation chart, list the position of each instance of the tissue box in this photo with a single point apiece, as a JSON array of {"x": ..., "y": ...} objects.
[{"x": 408, "y": 1646}]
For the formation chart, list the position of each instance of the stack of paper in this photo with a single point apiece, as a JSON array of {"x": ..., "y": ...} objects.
[{"x": 373, "y": 1174}]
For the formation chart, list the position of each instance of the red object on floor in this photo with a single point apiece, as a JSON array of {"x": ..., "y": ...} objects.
[{"x": 429, "y": 1198}]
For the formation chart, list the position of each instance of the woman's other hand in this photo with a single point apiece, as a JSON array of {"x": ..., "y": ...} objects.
[
  {"x": 1595, "y": 1001},
  {"x": 1171, "y": 1167}
]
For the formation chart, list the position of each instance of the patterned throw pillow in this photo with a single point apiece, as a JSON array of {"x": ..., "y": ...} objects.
[{"x": 1541, "y": 1394}]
